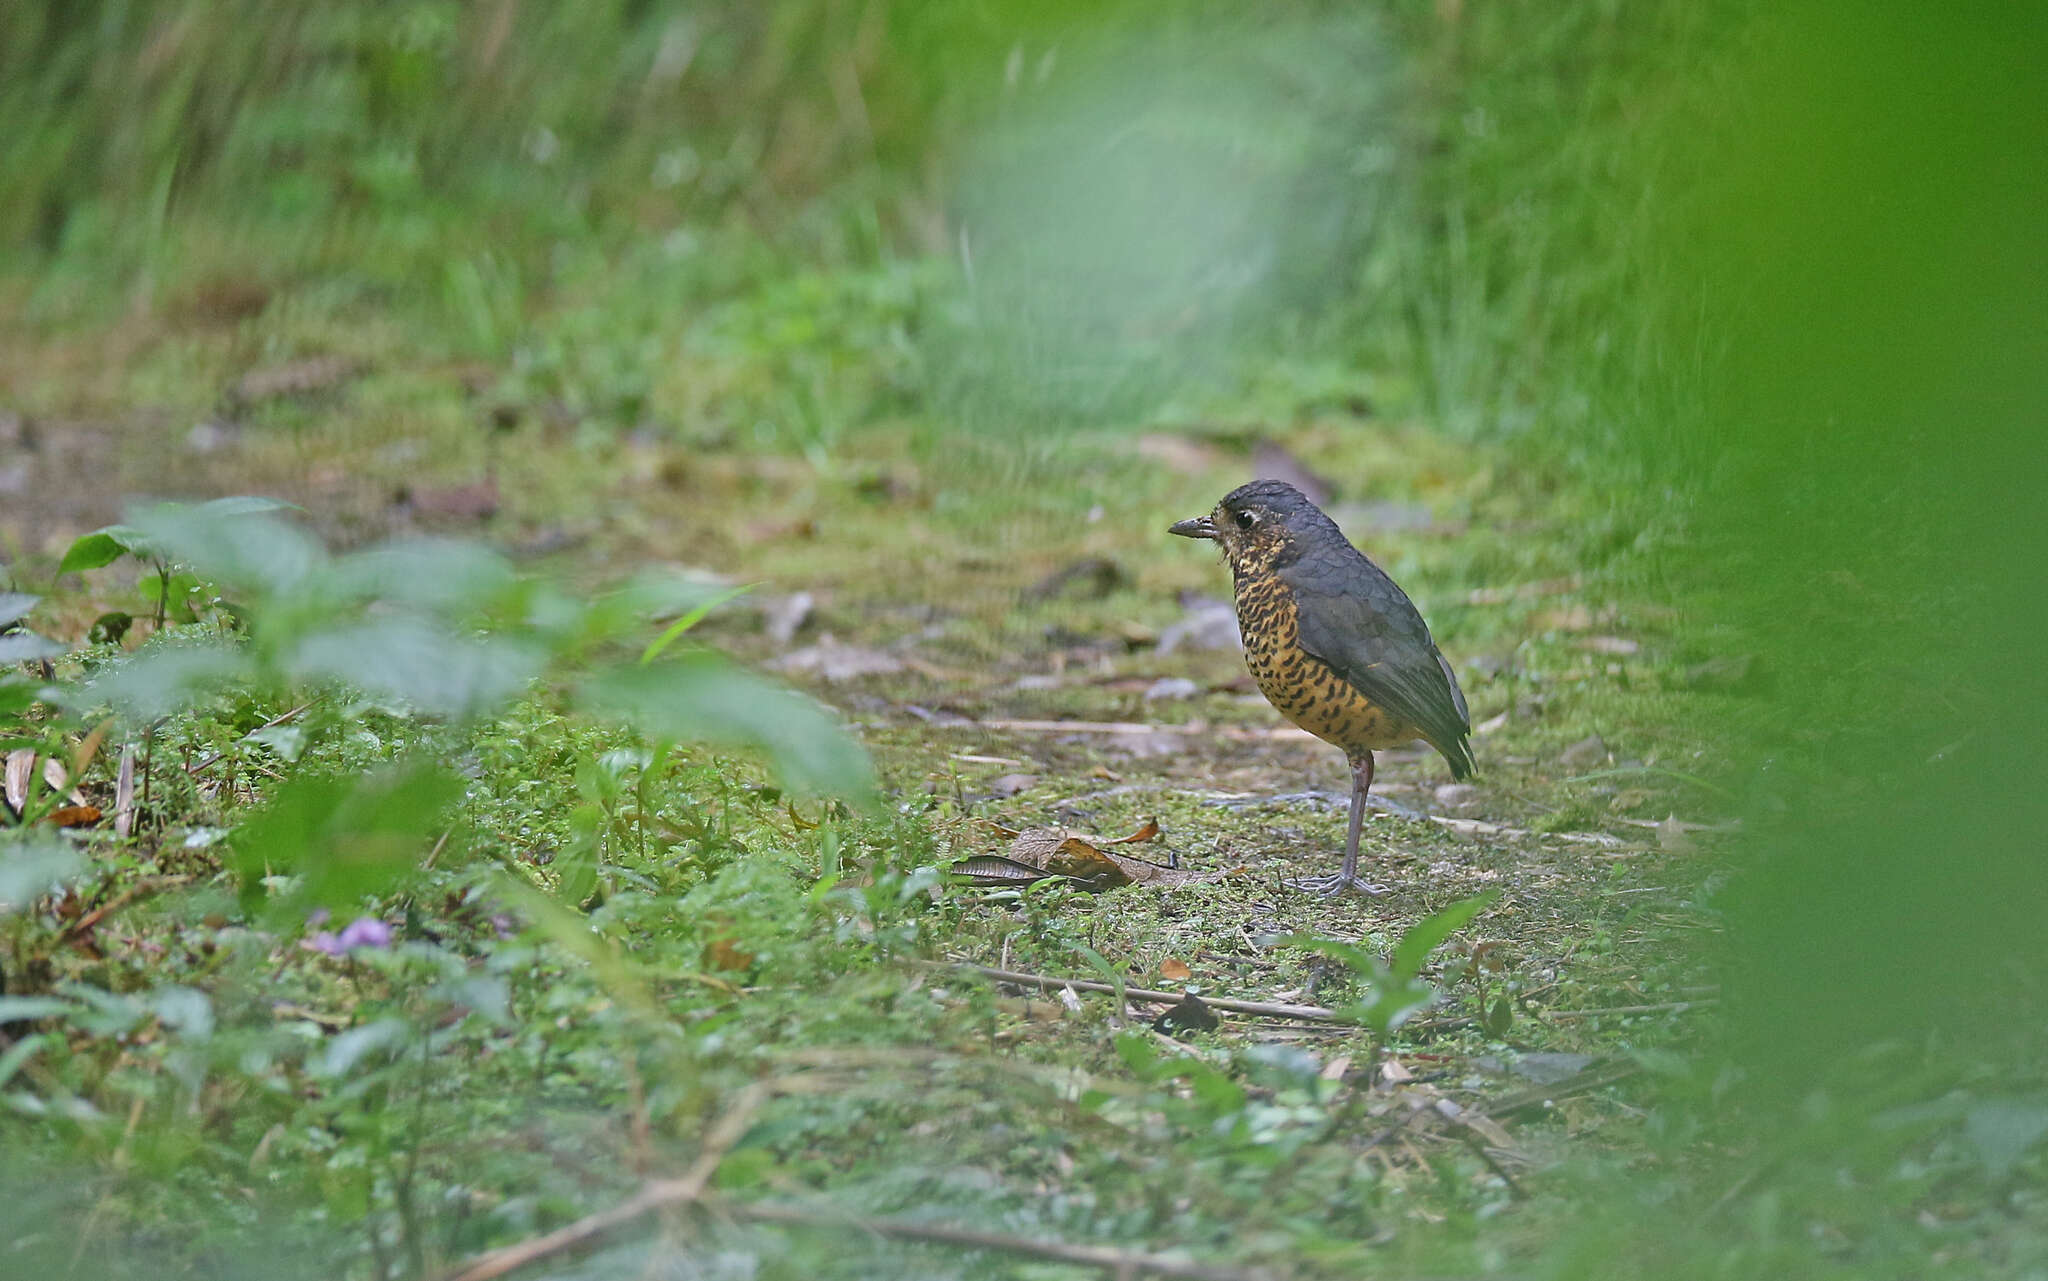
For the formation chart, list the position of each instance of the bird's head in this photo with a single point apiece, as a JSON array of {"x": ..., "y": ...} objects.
[{"x": 1260, "y": 525}]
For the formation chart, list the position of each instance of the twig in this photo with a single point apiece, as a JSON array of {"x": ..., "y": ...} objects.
[
  {"x": 656, "y": 1194},
  {"x": 124, "y": 794},
  {"x": 1279, "y": 732},
  {"x": 1673, "y": 1007},
  {"x": 1121, "y": 1263},
  {"x": 141, "y": 889},
  {"x": 1478, "y": 827},
  {"x": 272, "y": 723},
  {"x": 1049, "y": 983}
]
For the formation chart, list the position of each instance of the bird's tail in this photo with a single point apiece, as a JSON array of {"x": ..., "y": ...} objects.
[{"x": 1457, "y": 753}]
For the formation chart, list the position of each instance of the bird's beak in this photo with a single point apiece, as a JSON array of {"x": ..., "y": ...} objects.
[{"x": 1196, "y": 527}]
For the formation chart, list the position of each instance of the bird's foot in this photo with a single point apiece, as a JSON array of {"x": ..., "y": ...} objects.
[{"x": 1334, "y": 884}]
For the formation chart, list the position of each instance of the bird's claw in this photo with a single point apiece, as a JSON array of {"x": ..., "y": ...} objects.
[{"x": 1334, "y": 884}]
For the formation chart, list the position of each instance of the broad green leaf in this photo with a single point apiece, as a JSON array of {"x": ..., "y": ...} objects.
[
  {"x": 1427, "y": 935},
  {"x": 243, "y": 548},
  {"x": 187, "y": 1009},
  {"x": 34, "y": 867},
  {"x": 675, "y": 630},
  {"x": 441, "y": 575},
  {"x": 427, "y": 666},
  {"x": 103, "y": 547},
  {"x": 245, "y": 505},
  {"x": 16, "y": 695},
  {"x": 165, "y": 679},
  {"x": 19, "y": 1054},
  {"x": 700, "y": 697},
  {"x": 24, "y": 647},
  {"x": 2003, "y": 1131},
  {"x": 27, "y": 1009},
  {"x": 349, "y": 1048},
  {"x": 344, "y": 836},
  {"x": 14, "y": 606}
]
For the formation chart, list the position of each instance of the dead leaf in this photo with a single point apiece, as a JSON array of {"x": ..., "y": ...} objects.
[
  {"x": 1173, "y": 969},
  {"x": 1012, "y": 784},
  {"x": 724, "y": 951},
  {"x": 472, "y": 502},
  {"x": 1039, "y": 852},
  {"x": 1394, "y": 1072},
  {"x": 1086, "y": 865},
  {"x": 785, "y": 616},
  {"x": 1591, "y": 750},
  {"x": 21, "y": 767},
  {"x": 1171, "y": 687},
  {"x": 73, "y": 816},
  {"x": 89, "y": 747},
  {"x": 124, "y": 793},
  {"x": 1671, "y": 836},
  {"x": 1147, "y": 831},
  {"x": 831, "y": 661},
  {"x": 293, "y": 378}
]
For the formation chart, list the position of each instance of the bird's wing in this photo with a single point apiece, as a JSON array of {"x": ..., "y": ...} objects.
[{"x": 1354, "y": 617}]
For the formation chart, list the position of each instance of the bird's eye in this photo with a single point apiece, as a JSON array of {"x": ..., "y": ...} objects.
[{"x": 1245, "y": 520}]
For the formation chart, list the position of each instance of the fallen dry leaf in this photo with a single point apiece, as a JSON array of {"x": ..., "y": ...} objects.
[
  {"x": 832, "y": 661},
  {"x": 1174, "y": 969},
  {"x": 293, "y": 378},
  {"x": 21, "y": 766},
  {"x": 1089, "y": 861},
  {"x": 73, "y": 816}
]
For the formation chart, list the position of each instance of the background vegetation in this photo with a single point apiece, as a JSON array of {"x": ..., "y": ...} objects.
[{"x": 1684, "y": 360}]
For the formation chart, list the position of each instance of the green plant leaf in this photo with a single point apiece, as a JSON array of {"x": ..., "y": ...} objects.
[
  {"x": 248, "y": 548},
  {"x": 165, "y": 679},
  {"x": 690, "y": 619},
  {"x": 24, "y": 647},
  {"x": 702, "y": 698},
  {"x": 14, "y": 606},
  {"x": 103, "y": 547},
  {"x": 349, "y": 1048},
  {"x": 1426, "y": 935},
  {"x": 34, "y": 867},
  {"x": 443, "y": 576},
  {"x": 430, "y": 667},
  {"x": 19, "y": 1054},
  {"x": 344, "y": 836},
  {"x": 27, "y": 1009},
  {"x": 245, "y": 505}
]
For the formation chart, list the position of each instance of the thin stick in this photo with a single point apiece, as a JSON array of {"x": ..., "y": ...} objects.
[
  {"x": 1049, "y": 983},
  {"x": 272, "y": 723},
  {"x": 1278, "y": 732},
  {"x": 1108, "y": 1258},
  {"x": 141, "y": 889},
  {"x": 656, "y": 1194},
  {"x": 1673, "y": 1007}
]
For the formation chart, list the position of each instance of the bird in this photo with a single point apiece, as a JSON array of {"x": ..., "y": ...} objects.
[{"x": 1334, "y": 644}]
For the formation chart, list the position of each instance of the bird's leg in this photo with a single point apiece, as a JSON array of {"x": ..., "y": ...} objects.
[{"x": 1347, "y": 877}]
